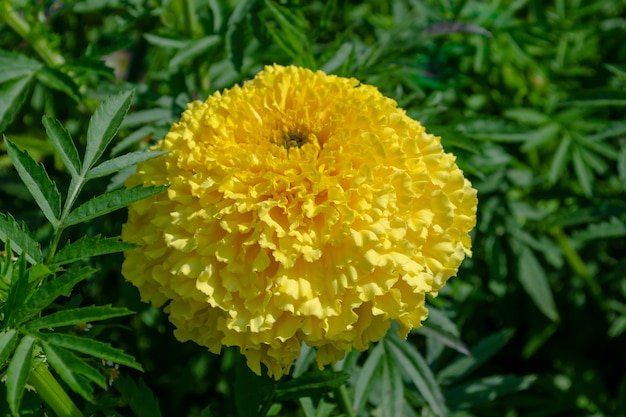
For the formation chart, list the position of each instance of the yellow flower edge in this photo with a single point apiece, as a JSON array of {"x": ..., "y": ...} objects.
[{"x": 302, "y": 208}]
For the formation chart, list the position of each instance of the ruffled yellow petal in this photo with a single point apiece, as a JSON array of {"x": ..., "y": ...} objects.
[{"x": 302, "y": 208}]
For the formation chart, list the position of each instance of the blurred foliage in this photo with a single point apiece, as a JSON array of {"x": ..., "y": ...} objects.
[{"x": 530, "y": 95}]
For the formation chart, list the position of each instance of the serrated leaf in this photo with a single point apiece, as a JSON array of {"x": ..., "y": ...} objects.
[
  {"x": 311, "y": 384},
  {"x": 12, "y": 96},
  {"x": 17, "y": 66},
  {"x": 192, "y": 50},
  {"x": 87, "y": 247},
  {"x": 91, "y": 347},
  {"x": 18, "y": 292},
  {"x": 57, "y": 80},
  {"x": 367, "y": 378},
  {"x": 103, "y": 126},
  {"x": 63, "y": 143},
  {"x": 76, "y": 316},
  {"x": 7, "y": 343},
  {"x": 121, "y": 162},
  {"x": 415, "y": 367},
  {"x": 106, "y": 203},
  {"x": 37, "y": 181},
  {"x": 476, "y": 392},
  {"x": 18, "y": 371},
  {"x": 46, "y": 294},
  {"x": 20, "y": 237},
  {"x": 479, "y": 354},
  {"x": 66, "y": 364}
]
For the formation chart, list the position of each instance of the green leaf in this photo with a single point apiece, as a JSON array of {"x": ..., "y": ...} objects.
[
  {"x": 18, "y": 371},
  {"x": 250, "y": 390},
  {"x": 12, "y": 96},
  {"x": 444, "y": 337},
  {"x": 139, "y": 397},
  {"x": 87, "y": 247},
  {"x": 479, "y": 354},
  {"x": 17, "y": 66},
  {"x": 63, "y": 143},
  {"x": 117, "y": 164},
  {"x": 76, "y": 316},
  {"x": 311, "y": 384},
  {"x": 583, "y": 173},
  {"x": 415, "y": 367},
  {"x": 37, "y": 181},
  {"x": 392, "y": 388},
  {"x": 57, "y": 80},
  {"x": 46, "y": 294},
  {"x": 476, "y": 392},
  {"x": 103, "y": 126},
  {"x": 367, "y": 377},
  {"x": 557, "y": 166},
  {"x": 235, "y": 39},
  {"x": 68, "y": 365},
  {"x": 18, "y": 292},
  {"x": 621, "y": 166},
  {"x": 540, "y": 136},
  {"x": 598, "y": 98},
  {"x": 192, "y": 50},
  {"x": 163, "y": 42},
  {"x": 106, "y": 203},
  {"x": 91, "y": 347},
  {"x": 7, "y": 343},
  {"x": 527, "y": 116},
  {"x": 20, "y": 237}
]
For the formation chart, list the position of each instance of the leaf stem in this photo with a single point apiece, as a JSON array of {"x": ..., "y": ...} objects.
[
  {"x": 575, "y": 261},
  {"x": 24, "y": 29},
  {"x": 51, "y": 392}
]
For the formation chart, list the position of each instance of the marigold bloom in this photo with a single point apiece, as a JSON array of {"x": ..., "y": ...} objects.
[{"x": 302, "y": 207}]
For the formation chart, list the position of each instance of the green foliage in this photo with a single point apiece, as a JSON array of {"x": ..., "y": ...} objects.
[{"x": 529, "y": 96}]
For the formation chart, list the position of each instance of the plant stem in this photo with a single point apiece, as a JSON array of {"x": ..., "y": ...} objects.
[
  {"x": 51, "y": 392},
  {"x": 23, "y": 28}
]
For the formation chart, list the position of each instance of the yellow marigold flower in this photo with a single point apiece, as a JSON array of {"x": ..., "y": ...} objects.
[{"x": 302, "y": 208}]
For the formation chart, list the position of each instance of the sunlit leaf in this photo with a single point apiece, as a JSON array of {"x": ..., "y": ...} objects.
[
  {"x": 20, "y": 237},
  {"x": 46, "y": 294},
  {"x": 121, "y": 162},
  {"x": 12, "y": 96},
  {"x": 76, "y": 316},
  {"x": 63, "y": 143},
  {"x": 17, "y": 66},
  {"x": 36, "y": 179},
  {"x": 108, "y": 202},
  {"x": 87, "y": 247},
  {"x": 66, "y": 364},
  {"x": 90, "y": 347},
  {"x": 103, "y": 126},
  {"x": 17, "y": 373},
  {"x": 7, "y": 343}
]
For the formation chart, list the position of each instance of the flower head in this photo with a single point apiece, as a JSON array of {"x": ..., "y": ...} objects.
[{"x": 302, "y": 208}]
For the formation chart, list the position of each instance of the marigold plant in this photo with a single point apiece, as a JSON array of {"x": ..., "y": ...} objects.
[{"x": 302, "y": 208}]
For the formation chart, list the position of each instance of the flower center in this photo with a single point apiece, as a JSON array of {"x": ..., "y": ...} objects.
[{"x": 294, "y": 140}]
